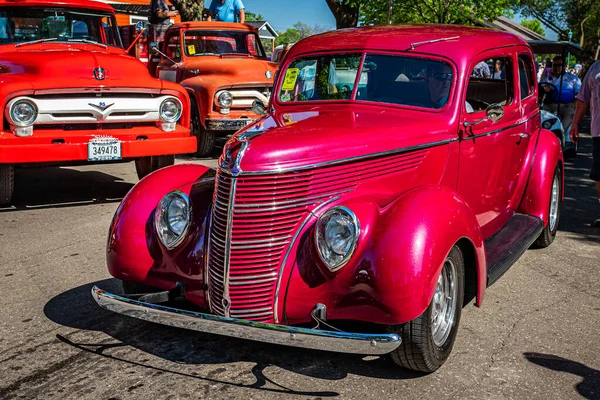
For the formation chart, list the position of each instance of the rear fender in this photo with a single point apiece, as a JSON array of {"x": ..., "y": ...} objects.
[{"x": 411, "y": 244}]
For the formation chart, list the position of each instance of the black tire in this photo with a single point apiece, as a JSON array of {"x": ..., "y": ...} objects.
[
  {"x": 549, "y": 233},
  {"x": 137, "y": 288},
  {"x": 418, "y": 350},
  {"x": 204, "y": 138},
  {"x": 146, "y": 165},
  {"x": 7, "y": 184}
]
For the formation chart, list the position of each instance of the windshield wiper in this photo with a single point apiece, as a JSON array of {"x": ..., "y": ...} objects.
[
  {"x": 36, "y": 41},
  {"x": 87, "y": 41}
]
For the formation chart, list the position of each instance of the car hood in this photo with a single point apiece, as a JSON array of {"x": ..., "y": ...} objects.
[
  {"x": 289, "y": 140},
  {"x": 53, "y": 68},
  {"x": 229, "y": 70}
]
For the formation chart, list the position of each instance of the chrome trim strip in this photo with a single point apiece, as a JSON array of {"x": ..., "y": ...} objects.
[
  {"x": 226, "y": 299},
  {"x": 501, "y": 129},
  {"x": 291, "y": 202},
  {"x": 341, "y": 342},
  {"x": 254, "y": 282},
  {"x": 250, "y": 315},
  {"x": 287, "y": 254},
  {"x": 306, "y": 203},
  {"x": 274, "y": 239},
  {"x": 207, "y": 258},
  {"x": 349, "y": 159},
  {"x": 262, "y": 246}
]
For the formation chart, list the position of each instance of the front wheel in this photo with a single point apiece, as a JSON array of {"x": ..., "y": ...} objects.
[
  {"x": 427, "y": 340},
  {"x": 7, "y": 184},
  {"x": 146, "y": 165},
  {"x": 549, "y": 233}
]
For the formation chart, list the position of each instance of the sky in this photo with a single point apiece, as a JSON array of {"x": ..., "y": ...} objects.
[{"x": 282, "y": 14}]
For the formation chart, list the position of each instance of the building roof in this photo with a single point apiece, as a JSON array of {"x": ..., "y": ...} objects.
[
  {"x": 265, "y": 29},
  {"x": 513, "y": 27},
  {"x": 131, "y": 9},
  {"x": 94, "y": 5}
]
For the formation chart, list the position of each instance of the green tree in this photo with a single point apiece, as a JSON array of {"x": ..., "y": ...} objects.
[
  {"x": 250, "y": 16},
  {"x": 189, "y": 10},
  {"x": 298, "y": 32},
  {"x": 534, "y": 25},
  {"x": 346, "y": 12}
]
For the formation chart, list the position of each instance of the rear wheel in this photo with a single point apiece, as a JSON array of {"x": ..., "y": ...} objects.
[
  {"x": 427, "y": 340},
  {"x": 205, "y": 139},
  {"x": 549, "y": 233},
  {"x": 146, "y": 165},
  {"x": 7, "y": 183}
]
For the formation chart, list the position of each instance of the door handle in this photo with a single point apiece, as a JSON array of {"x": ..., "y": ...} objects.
[{"x": 523, "y": 135}]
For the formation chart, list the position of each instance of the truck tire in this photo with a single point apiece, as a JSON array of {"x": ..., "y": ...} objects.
[
  {"x": 146, "y": 165},
  {"x": 205, "y": 139},
  {"x": 428, "y": 339},
  {"x": 7, "y": 184},
  {"x": 549, "y": 233}
]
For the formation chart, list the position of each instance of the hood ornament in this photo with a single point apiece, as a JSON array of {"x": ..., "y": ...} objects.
[
  {"x": 99, "y": 73},
  {"x": 101, "y": 106}
]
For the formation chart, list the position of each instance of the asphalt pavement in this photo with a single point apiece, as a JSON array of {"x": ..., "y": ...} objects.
[{"x": 535, "y": 337}]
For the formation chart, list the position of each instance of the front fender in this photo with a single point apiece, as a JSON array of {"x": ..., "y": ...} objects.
[
  {"x": 412, "y": 243},
  {"x": 132, "y": 248},
  {"x": 203, "y": 91},
  {"x": 548, "y": 154}
]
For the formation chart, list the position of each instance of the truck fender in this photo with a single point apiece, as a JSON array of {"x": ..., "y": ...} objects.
[
  {"x": 548, "y": 154},
  {"x": 132, "y": 248},
  {"x": 414, "y": 239}
]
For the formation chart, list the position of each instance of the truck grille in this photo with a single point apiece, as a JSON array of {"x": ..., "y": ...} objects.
[{"x": 254, "y": 220}]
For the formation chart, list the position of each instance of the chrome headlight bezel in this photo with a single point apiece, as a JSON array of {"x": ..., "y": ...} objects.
[
  {"x": 549, "y": 123},
  {"x": 334, "y": 260},
  {"x": 166, "y": 102},
  {"x": 161, "y": 220},
  {"x": 225, "y": 99},
  {"x": 20, "y": 123}
]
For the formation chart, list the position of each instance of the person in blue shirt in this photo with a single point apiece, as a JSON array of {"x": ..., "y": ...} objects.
[{"x": 226, "y": 11}]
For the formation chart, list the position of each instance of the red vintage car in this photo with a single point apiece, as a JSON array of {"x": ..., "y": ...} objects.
[
  {"x": 389, "y": 200},
  {"x": 71, "y": 95}
]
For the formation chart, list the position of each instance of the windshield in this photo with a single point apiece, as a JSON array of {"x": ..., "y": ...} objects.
[
  {"x": 202, "y": 43},
  {"x": 385, "y": 78},
  {"x": 28, "y": 24}
]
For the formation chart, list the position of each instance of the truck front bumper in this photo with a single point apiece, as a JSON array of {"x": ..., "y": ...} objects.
[
  {"x": 342, "y": 342},
  {"x": 228, "y": 124}
]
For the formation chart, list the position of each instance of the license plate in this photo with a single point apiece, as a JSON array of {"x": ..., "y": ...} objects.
[{"x": 104, "y": 149}]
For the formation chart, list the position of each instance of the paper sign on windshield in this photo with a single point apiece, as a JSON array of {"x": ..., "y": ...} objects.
[
  {"x": 191, "y": 49},
  {"x": 291, "y": 75}
]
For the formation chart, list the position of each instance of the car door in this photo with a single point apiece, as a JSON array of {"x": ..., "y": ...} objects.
[
  {"x": 168, "y": 67},
  {"x": 486, "y": 170}
]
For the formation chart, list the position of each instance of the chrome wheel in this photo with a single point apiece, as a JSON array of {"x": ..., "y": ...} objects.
[
  {"x": 444, "y": 304},
  {"x": 554, "y": 203}
]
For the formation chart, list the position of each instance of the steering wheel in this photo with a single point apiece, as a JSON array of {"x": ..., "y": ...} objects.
[{"x": 551, "y": 93}]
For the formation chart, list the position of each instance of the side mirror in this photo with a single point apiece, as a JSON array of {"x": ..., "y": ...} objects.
[
  {"x": 259, "y": 107},
  {"x": 493, "y": 112}
]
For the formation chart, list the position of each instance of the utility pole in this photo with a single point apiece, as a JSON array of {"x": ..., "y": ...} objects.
[{"x": 390, "y": 12}]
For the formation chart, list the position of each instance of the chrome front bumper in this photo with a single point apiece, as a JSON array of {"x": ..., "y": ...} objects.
[
  {"x": 342, "y": 342},
  {"x": 228, "y": 124}
]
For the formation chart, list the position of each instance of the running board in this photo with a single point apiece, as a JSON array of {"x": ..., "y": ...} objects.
[{"x": 504, "y": 248}]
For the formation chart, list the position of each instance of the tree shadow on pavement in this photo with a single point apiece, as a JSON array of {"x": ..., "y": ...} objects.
[
  {"x": 195, "y": 348},
  {"x": 588, "y": 388}
]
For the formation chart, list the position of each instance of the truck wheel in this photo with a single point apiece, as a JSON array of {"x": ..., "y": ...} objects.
[
  {"x": 146, "y": 165},
  {"x": 427, "y": 340},
  {"x": 205, "y": 139},
  {"x": 7, "y": 184},
  {"x": 549, "y": 233}
]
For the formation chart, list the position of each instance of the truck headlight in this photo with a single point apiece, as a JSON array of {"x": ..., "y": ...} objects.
[
  {"x": 172, "y": 218},
  {"x": 23, "y": 113},
  {"x": 225, "y": 99},
  {"x": 170, "y": 110},
  {"x": 336, "y": 236},
  {"x": 548, "y": 123}
]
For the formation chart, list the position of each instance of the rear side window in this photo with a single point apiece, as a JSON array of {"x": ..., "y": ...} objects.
[
  {"x": 526, "y": 81},
  {"x": 490, "y": 83}
]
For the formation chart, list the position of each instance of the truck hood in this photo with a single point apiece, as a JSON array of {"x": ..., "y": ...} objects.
[
  {"x": 73, "y": 68},
  {"x": 231, "y": 71},
  {"x": 287, "y": 140}
]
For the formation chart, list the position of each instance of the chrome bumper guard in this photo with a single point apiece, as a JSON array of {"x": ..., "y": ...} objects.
[{"x": 342, "y": 342}]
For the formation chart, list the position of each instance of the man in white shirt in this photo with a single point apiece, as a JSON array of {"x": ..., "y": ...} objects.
[{"x": 567, "y": 86}]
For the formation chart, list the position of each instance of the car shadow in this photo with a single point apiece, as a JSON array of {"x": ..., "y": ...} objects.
[
  {"x": 54, "y": 187},
  {"x": 589, "y": 387},
  {"x": 195, "y": 348}
]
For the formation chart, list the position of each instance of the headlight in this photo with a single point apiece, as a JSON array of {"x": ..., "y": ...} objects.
[
  {"x": 23, "y": 113},
  {"x": 172, "y": 218},
  {"x": 225, "y": 99},
  {"x": 170, "y": 110},
  {"x": 548, "y": 123},
  {"x": 336, "y": 236}
]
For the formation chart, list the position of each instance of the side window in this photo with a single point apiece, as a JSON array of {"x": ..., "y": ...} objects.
[
  {"x": 173, "y": 50},
  {"x": 526, "y": 81},
  {"x": 490, "y": 82}
]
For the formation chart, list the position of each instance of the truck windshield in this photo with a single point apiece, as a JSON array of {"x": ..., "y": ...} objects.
[
  {"x": 36, "y": 24},
  {"x": 393, "y": 79},
  {"x": 202, "y": 43}
]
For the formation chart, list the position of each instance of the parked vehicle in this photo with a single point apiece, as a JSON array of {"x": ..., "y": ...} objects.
[
  {"x": 224, "y": 68},
  {"x": 390, "y": 206},
  {"x": 550, "y": 120},
  {"x": 71, "y": 95}
]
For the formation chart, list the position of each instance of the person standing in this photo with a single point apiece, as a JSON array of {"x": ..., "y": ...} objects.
[
  {"x": 160, "y": 18},
  {"x": 227, "y": 11},
  {"x": 589, "y": 98},
  {"x": 481, "y": 70}
]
